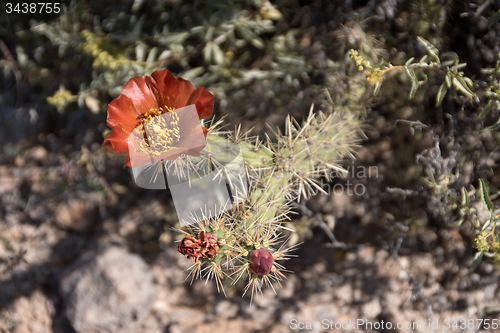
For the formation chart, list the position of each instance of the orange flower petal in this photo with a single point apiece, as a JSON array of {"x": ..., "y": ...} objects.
[
  {"x": 127, "y": 162},
  {"x": 204, "y": 102},
  {"x": 117, "y": 148},
  {"x": 140, "y": 91},
  {"x": 116, "y": 141},
  {"x": 140, "y": 159},
  {"x": 122, "y": 113},
  {"x": 171, "y": 92},
  {"x": 143, "y": 94}
]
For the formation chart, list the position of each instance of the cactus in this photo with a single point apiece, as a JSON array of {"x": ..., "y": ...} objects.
[
  {"x": 265, "y": 177},
  {"x": 280, "y": 172}
]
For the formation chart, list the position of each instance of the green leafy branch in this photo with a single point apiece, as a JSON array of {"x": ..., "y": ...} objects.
[
  {"x": 493, "y": 93},
  {"x": 487, "y": 240},
  {"x": 487, "y": 236},
  {"x": 432, "y": 61}
]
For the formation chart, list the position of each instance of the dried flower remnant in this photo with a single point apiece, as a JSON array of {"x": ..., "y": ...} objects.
[
  {"x": 261, "y": 261},
  {"x": 142, "y": 101},
  {"x": 210, "y": 248},
  {"x": 191, "y": 247},
  {"x": 204, "y": 247}
]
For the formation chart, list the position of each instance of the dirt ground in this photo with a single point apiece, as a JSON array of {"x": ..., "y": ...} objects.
[
  {"x": 394, "y": 264},
  {"x": 378, "y": 272}
]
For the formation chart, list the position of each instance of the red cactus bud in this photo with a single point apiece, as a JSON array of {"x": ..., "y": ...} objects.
[{"x": 261, "y": 261}]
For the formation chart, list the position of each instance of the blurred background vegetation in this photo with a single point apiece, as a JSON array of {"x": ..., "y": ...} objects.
[{"x": 262, "y": 60}]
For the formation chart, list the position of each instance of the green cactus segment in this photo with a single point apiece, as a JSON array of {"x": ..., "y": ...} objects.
[
  {"x": 265, "y": 201},
  {"x": 252, "y": 156},
  {"x": 280, "y": 172},
  {"x": 277, "y": 173},
  {"x": 220, "y": 257},
  {"x": 325, "y": 142}
]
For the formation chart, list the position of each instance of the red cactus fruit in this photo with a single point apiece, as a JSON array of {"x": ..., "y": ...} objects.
[{"x": 261, "y": 261}]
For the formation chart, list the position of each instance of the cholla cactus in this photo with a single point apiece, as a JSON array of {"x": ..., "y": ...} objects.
[
  {"x": 246, "y": 240},
  {"x": 249, "y": 236}
]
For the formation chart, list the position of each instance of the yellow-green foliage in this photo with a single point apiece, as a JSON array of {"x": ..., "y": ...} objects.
[
  {"x": 96, "y": 48},
  {"x": 453, "y": 77}
]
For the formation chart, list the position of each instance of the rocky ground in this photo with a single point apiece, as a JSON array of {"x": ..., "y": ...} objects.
[
  {"x": 85, "y": 250},
  {"x": 94, "y": 262}
]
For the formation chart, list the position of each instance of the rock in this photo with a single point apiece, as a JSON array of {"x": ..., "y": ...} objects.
[
  {"x": 31, "y": 314},
  {"x": 19, "y": 161},
  {"x": 226, "y": 309},
  {"x": 39, "y": 154},
  {"x": 78, "y": 214},
  {"x": 372, "y": 308},
  {"x": 8, "y": 182},
  {"x": 107, "y": 290}
]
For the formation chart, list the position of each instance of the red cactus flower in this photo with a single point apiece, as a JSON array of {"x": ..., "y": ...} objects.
[
  {"x": 144, "y": 98},
  {"x": 261, "y": 261}
]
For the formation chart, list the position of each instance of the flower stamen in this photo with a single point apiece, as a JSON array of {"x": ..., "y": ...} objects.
[{"x": 165, "y": 128}]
